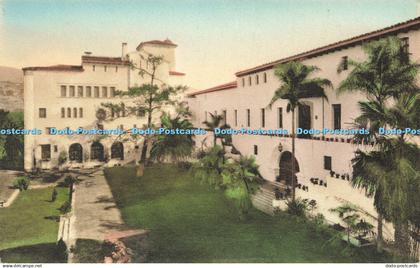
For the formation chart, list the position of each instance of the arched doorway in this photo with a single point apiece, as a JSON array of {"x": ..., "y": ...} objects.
[
  {"x": 76, "y": 152},
  {"x": 97, "y": 151},
  {"x": 285, "y": 165},
  {"x": 117, "y": 150}
]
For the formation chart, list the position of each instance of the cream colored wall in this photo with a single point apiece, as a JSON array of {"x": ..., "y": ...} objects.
[
  {"x": 42, "y": 89},
  {"x": 309, "y": 153}
]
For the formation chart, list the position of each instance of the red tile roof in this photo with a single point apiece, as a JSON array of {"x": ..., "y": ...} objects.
[
  {"x": 391, "y": 30},
  {"x": 59, "y": 68},
  {"x": 104, "y": 60},
  {"x": 176, "y": 73},
  {"x": 225, "y": 86},
  {"x": 165, "y": 42}
]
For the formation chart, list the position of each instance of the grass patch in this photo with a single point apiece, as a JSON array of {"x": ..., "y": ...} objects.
[
  {"x": 29, "y": 227},
  {"x": 190, "y": 222}
]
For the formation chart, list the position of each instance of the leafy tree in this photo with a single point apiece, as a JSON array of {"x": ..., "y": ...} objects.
[
  {"x": 11, "y": 146},
  {"x": 295, "y": 85},
  {"x": 176, "y": 147},
  {"x": 148, "y": 99}
]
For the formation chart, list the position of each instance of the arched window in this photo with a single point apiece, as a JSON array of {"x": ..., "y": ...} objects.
[
  {"x": 117, "y": 150},
  {"x": 97, "y": 151},
  {"x": 76, "y": 152}
]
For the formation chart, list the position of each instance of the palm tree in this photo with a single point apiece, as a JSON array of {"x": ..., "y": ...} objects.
[
  {"x": 386, "y": 74},
  {"x": 177, "y": 147},
  {"x": 295, "y": 85},
  {"x": 216, "y": 121},
  {"x": 209, "y": 166},
  {"x": 240, "y": 179},
  {"x": 373, "y": 186}
]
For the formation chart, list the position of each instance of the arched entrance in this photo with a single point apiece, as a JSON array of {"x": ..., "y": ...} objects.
[
  {"x": 76, "y": 152},
  {"x": 285, "y": 165},
  {"x": 117, "y": 150},
  {"x": 97, "y": 151}
]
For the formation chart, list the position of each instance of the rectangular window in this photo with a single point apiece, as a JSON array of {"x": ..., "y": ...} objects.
[
  {"x": 104, "y": 92},
  {"x": 262, "y": 117},
  {"x": 405, "y": 45},
  {"x": 88, "y": 91},
  {"x": 243, "y": 81},
  {"x": 345, "y": 62},
  {"x": 63, "y": 112},
  {"x": 75, "y": 112},
  {"x": 116, "y": 69},
  {"x": 236, "y": 118},
  {"x": 257, "y": 79},
  {"x": 249, "y": 80},
  {"x": 224, "y": 116},
  {"x": 123, "y": 110},
  {"x": 42, "y": 112},
  {"x": 93, "y": 67},
  {"x": 327, "y": 163},
  {"x": 72, "y": 91},
  {"x": 337, "y": 116},
  {"x": 105, "y": 68},
  {"x": 255, "y": 149},
  {"x": 63, "y": 91},
  {"x": 55, "y": 148},
  {"x": 79, "y": 91},
  {"x": 96, "y": 92},
  {"x": 46, "y": 151},
  {"x": 265, "y": 77},
  {"x": 112, "y": 92},
  {"x": 81, "y": 112},
  {"x": 141, "y": 113},
  {"x": 248, "y": 117},
  {"x": 279, "y": 117}
]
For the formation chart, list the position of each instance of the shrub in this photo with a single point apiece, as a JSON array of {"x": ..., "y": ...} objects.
[
  {"x": 54, "y": 195},
  {"x": 65, "y": 207},
  {"x": 61, "y": 250},
  {"x": 62, "y": 157},
  {"x": 298, "y": 207},
  {"x": 68, "y": 180},
  {"x": 21, "y": 183},
  {"x": 184, "y": 165}
]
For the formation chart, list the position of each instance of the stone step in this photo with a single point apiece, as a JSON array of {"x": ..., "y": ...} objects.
[
  {"x": 263, "y": 199},
  {"x": 264, "y": 208},
  {"x": 261, "y": 202}
]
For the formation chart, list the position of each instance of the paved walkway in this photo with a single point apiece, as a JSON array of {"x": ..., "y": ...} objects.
[{"x": 95, "y": 213}]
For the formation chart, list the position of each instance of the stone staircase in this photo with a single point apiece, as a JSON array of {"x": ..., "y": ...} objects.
[{"x": 263, "y": 200}]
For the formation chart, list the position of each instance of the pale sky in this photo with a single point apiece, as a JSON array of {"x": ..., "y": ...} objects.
[{"x": 215, "y": 38}]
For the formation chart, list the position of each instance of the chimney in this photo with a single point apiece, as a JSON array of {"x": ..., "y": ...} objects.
[{"x": 123, "y": 51}]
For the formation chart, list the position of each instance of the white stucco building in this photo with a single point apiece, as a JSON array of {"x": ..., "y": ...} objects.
[
  {"x": 244, "y": 103},
  {"x": 69, "y": 96}
]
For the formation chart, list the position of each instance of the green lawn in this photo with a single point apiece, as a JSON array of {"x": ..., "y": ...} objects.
[
  {"x": 190, "y": 222},
  {"x": 28, "y": 228}
]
